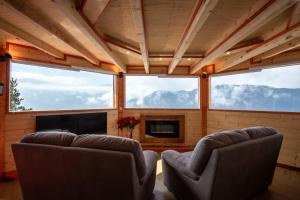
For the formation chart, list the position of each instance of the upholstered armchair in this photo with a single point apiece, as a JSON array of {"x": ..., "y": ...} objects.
[
  {"x": 65, "y": 166},
  {"x": 224, "y": 166}
]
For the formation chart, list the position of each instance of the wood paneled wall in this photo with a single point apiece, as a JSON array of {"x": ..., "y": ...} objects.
[
  {"x": 19, "y": 124},
  {"x": 2, "y": 114},
  {"x": 287, "y": 124},
  {"x": 192, "y": 122}
]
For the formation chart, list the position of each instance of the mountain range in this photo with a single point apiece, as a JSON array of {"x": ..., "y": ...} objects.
[{"x": 237, "y": 97}]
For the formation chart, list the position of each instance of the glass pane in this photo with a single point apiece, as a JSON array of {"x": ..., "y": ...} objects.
[
  {"x": 161, "y": 92},
  {"x": 42, "y": 88},
  {"x": 273, "y": 89}
]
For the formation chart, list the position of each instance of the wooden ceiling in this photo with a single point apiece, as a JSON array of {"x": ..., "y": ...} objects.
[{"x": 147, "y": 33}]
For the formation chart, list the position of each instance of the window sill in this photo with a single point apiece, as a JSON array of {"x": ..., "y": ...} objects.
[
  {"x": 256, "y": 111},
  {"x": 58, "y": 111},
  {"x": 195, "y": 109}
]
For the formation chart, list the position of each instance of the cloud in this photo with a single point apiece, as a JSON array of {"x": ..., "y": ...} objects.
[
  {"x": 34, "y": 81},
  {"x": 280, "y": 77}
]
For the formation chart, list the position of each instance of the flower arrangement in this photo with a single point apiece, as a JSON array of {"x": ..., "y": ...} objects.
[{"x": 129, "y": 123}]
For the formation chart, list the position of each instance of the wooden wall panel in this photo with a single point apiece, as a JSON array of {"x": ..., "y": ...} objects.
[
  {"x": 19, "y": 124},
  {"x": 30, "y": 54},
  {"x": 287, "y": 124},
  {"x": 192, "y": 122},
  {"x": 2, "y": 115}
]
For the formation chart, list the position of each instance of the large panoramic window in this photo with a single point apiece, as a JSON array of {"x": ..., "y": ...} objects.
[
  {"x": 162, "y": 92},
  {"x": 40, "y": 88},
  {"x": 272, "y": 89}
]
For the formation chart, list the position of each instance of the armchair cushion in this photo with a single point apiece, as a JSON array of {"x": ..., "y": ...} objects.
[
  {"x": 260, "y": 131},
  {"x": 179, "y": 162},
  {"x": 114, "y": 143},
  {"x": 50, "y": 138},
  {"x": 151, "y": 158},
  {"x": 206, "y": 145}
]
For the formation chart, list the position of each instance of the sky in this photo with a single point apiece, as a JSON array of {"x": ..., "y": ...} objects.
[{"x": 280, "y": 77}]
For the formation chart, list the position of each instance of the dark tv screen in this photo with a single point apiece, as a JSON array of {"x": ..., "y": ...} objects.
[{"x": 87, "y": 123}]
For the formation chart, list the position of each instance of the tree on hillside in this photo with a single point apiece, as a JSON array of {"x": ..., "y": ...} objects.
[{"x": 15, "y": 97}]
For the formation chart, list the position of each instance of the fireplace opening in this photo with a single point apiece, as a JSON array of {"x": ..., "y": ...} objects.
[{"x": 162, "y": 129}]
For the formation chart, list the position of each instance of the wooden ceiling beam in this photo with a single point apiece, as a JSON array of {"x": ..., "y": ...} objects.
[
  {"x": 93, "y": 9},
  {"x": 114, "y": 41},
  {"x": 275, "y": 41},
  {"x": 138, "y": 17},
  {"x": 39, "y": 44},
  {"x": 201, "y": 13},
  {"x": 135, "y": 52},
  {"x": 243, "y": 29},
  {"x": 244, "y": 46},
  {"x": 69, "y": 10},
  {"x": 24, "y": 10},
  {"x": 295, "y": 43},
  {"x": 294, "y": 15},
  {"x": 170, "y": 55}
]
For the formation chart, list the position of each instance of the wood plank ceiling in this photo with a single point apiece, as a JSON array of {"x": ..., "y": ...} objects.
[{"x": 148, "y": 33}]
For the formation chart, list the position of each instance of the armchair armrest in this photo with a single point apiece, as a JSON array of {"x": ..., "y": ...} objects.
[
  {"x": 179, "y": 162},
  {"x": 151, "y": 158}
]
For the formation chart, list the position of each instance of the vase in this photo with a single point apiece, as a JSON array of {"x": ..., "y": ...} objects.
[{"x": 129, "y": 133}]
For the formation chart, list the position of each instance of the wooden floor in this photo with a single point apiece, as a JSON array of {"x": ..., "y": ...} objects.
[{"x": 285, "y": 186}]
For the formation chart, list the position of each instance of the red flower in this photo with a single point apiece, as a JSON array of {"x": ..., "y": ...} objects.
[{"x": 129, "y": 122}]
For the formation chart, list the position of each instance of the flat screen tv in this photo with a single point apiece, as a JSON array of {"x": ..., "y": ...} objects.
[{"x": 87, "y": 123}]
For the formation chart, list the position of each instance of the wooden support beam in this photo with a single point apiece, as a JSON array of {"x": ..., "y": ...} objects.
[
  {"x": 116, "y": 42},
  {"x": 275, "y": 41},
  {"x": 295, "y": 43},
  {"x": 244, "y": 46},
  {"x": 69, "y": 10},
  {"x": 120, "y": 88},
  {"x": 170, "y": 55},
  {"x": 294, "y": 15},
  {"x": 7, "y": 27},
  {"x": 135, "y": 52},
  {"x": 243, "y": 29},
  {"x": 204, "y": 96},
  {"x": 138, "y": 17},
  {"x": 286, "y": 58},
  {"x": 202, "y": 12},
  {"x": 23, "y": 9},
  {"x": 93, "y": 9}
]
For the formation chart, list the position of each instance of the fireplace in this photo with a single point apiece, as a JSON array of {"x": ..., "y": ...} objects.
[{"x": 162, "y": 128}]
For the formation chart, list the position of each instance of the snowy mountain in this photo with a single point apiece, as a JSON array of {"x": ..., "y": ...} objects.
[
  {"x": 166, "y": 99},
  {"x": 253, "y": 97},
  {"x": 239, "y": 97}
]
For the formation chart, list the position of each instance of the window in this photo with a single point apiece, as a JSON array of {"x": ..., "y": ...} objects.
[
  {"x": 273, "y": 89},
  {"x": 162, "y": 92},
  {"x": 40, "y": 88}
]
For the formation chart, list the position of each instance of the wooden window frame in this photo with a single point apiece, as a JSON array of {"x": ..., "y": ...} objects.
[
  {"x": 168, "y": 76},
  {"x": 238, "y": 110},
  {"x": 54, "y": 66}
]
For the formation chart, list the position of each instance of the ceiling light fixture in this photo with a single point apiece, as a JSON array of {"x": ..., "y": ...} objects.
[
  {"x": 189, "y": 59},
  {"x": 127, "y": 52},
  {"x": 228, "y": 52}
]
